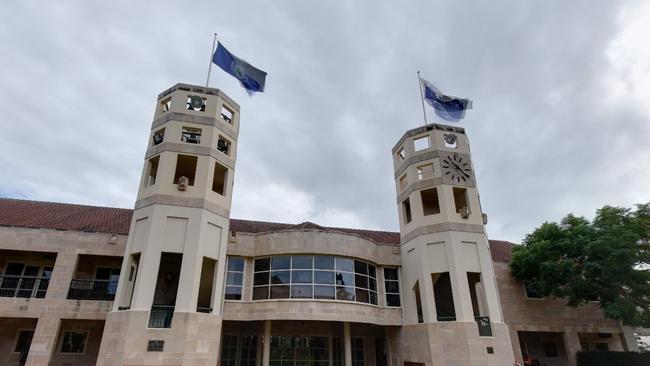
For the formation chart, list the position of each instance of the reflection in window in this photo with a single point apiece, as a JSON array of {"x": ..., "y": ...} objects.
[
  {"x": 314, "y": 277},
  {"x": 391, "y": 282},
  {"x": 234, "y": 278}
]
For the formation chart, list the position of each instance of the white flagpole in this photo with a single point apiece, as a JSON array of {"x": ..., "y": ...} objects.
[
  {"x": 424, "y": 111},
  {"x": 214, "y": 41}
]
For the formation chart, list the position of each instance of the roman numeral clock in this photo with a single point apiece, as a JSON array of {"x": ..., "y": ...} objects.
[{"x": 456, "y": 169}]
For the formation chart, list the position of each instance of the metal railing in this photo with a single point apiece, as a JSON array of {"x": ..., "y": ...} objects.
[
  {"x": 92, "y": 290},
  {"x": 23, "y": 286},
  {"x": 161, "y": 316},
  {"x": 484, "y": 328}
]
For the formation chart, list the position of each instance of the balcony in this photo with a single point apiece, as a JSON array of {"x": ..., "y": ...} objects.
[
  {"x": 161, "y": 316},
  {"x": 484, "y": 328},
  {"x": 23, "y": 286},
  {"x": 25, "y": 274},
  {"x": 103, "y": 290}
]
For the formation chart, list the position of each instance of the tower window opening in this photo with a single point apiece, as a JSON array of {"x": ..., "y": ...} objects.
[
  {"x": 166, "y": 105},
  {"x": 223, "y": 145},
  {"x": 476, "y": 293},
  {"x": 425, "y": 171},
  {"x": 219, "y": 179},
  {"x": 195, "y": 103},
  {"x": 406, "y": 207},
  {"x": 430, "y": 203},
  {"x": 443, "y": 297},
  {"x": 418, "y": 302},
  {"x": 191, "y": 135},
  {"x": 461, "y": 202},
  {"x": 227, "y": 114},
  {"x": 204, "y": 300},
  {"x": 402, "y": 182},
  {"x": 158, "y": 136},
  {"x": 185, "y": 167},
  {"x": 421, "y": 143},
  {"x": 152, "y": 170},
  {"x": 401, "y": 154}
]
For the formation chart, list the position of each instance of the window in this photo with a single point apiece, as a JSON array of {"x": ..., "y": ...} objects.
[
  {"x": 158, "y": 136},
  {"x": 418, "y": 302},
  {"x": 357, "y": 352},
  {"x": 152, "y": 170},
  {"x": 229, "y": 350},
  {"x": 191, "y": 135},
  {"x": 425, "y": 171},
  {"x": 227, "y": 114},
  {"x": 406, "y": 208},
  {"x": 248, "y": 354},
  {"x": 430, "y": 203},
  {"x": 299, "y": 350},
  {"x": 401, "y": 154},
  {"x": 166, "y": 105},
  {"x": 443, "y": 297},
  {"x": 195, "y": 103},
  {"x": 531, "y": 291},
  {"x": 314, "y": 277},
  {"x": 391, "y": 282},
  {"x": 23, "y": 341},
  {"x": 73, "y": 342},
  {"x": 219, "y": 179},
  {"x": 402, "y": 182},
  {"x": 421, "y": 143},
  {"x": 223, "y": 145},
  {"x": 234, "y": 278},
  {"x": 460, "y": 200},
  {"x": 550, "y": 349},
  {"x": 185, "y": 167}
]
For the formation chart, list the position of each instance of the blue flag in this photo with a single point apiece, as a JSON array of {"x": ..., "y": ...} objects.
[
  {"x": 449, "y": 108},
  {"x": 251, "y": 78}
]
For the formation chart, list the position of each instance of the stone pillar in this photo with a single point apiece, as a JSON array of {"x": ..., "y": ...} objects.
[
  {"x": 62, "y": 274},
  {"x": 347, "y": 344},
  {"x": 44, "y": 342},
  {"x": 266, "y": 349},
  {"x": 572, "y": 346}
]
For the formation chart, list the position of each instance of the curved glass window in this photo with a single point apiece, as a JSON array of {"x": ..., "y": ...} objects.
[{"x": 314, "y": 277}]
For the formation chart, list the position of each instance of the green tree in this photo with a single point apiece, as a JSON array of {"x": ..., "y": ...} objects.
[{"x": 606, "y": 259}]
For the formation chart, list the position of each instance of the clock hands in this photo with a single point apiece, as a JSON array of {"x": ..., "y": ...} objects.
[{"x": 460, "y": 169}]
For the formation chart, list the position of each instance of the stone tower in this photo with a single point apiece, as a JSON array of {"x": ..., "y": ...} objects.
[
  {"x": 167, "y": 308},
  {"x": 451, "y": 306}
]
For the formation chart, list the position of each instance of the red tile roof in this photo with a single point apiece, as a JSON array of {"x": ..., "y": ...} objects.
[{"x": 66, "y": 216}]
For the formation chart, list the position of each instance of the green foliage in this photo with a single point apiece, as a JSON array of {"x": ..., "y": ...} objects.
[
  {"x": 606, "y": 259},
  {"x": 606, "y": 358}
]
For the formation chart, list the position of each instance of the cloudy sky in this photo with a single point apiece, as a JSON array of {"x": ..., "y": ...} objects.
[{"x": 561, "y": 118}]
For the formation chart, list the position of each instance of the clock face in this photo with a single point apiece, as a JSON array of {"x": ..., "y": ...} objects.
[{"x": 457, "y": 169}]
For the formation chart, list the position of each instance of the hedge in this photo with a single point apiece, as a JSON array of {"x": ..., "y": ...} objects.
[{"x": 607, "y": 358}]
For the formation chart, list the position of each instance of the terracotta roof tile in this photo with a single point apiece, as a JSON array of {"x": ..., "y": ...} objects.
[{"x": 66, "y": 216}]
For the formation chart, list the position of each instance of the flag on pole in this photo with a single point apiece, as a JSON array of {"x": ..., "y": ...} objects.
[
  {"x": 447, "y": 107},
  {"x": 250, "y": 77}
]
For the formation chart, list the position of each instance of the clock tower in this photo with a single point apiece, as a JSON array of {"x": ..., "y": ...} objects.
[{"x": 450, "y": 296}]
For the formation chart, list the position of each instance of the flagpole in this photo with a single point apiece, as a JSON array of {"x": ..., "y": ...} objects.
[
  {"x": 214, "y": 41},
  {"x": 424, "y": 111}
]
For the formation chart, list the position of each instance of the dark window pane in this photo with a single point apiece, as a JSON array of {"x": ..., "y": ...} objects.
[
  {"x": 280, "y": 277},
  {"x": 283, "y": 262},
  {"x": 344, "y": 264},
  {"x": 392, "y": 300},
  {"x": 373, "y": 297},
  {"x": 260, "y": 293},
  {"x": 318, "y": 342},
  {"x": 362, "y": 295},
  {"x": 550, "y": 349},
  {"x": 261, "y": 278},
  {"x": 392, "y": 286},
  {"x": 361, "y": 281},
  {"x": 73, "y": 342},
  {"x": 235, "y": 264},
  {"x": 361, "y": 267},
  {"x": 301, "y": 291},
  {"x": 390, "y": 273},
  {"x": 344, "y": 279},
  {"x": 233, "y": 293},
  {"x": 345, "y": 293},
  {"x": 234, "y": 278},
  {"x": 323, "y": 262},
  {"x": 263, "y": 264},
  {"x": 324, "y": 277},
  {"x": 371, "y": 271},
  {"x": 324, "y": 292},
  {"x": 279, "y": 292},
  {"x": 302, "y": 262},
  {"x": 301, "y": 276},
  {"x": 372, "y": 284}
]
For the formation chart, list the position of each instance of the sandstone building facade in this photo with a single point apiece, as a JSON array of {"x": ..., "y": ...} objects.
[{"x": 176, "y": 281}]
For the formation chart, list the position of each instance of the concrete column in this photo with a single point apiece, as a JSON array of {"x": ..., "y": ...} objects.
[
  {"x": 44, "y": 342},
  {"x": 572, "y": 346},
  {"x": 62, "y": 274},
  {"x": 266, "y": 349},
  {"x": 347, "y": 344}
]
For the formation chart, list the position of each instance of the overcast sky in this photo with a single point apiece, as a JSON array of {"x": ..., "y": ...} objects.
[{"x": 561, "y": 118}]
